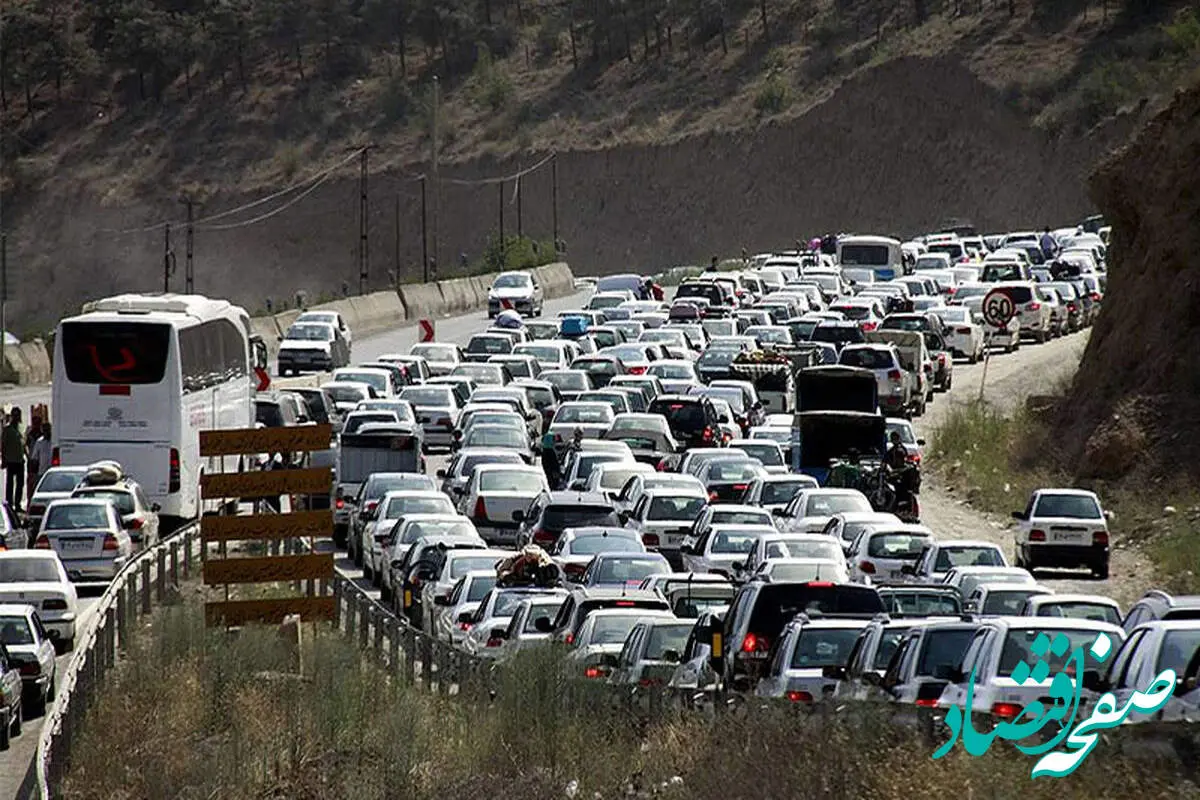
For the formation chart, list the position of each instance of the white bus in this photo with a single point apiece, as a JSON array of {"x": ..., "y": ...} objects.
[
  {"x": 136, "y": 377},
  {"x": 881, "y": 255}
]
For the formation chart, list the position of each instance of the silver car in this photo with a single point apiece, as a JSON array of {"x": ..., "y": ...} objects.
[
  {"x": 88, "y": 537},
  {"x": 55, "y": 483},
  {"x": 437, "y": 410}
]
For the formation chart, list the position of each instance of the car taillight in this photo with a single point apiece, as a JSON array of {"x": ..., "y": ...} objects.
[
  {"x": 869, "y": 326},
  {"x": 543, "y": 535},
  {"x": 1096, "y": 296},
  {"x": 941, "y": 358},
  {"x": 1037, "y": 536},
  {"x": 1100, "y": 538},
  {"x": 569, "y": 638},
  {"x": 650, "y": 539},
  {"x": 42, "y": 543},
  {"x": 1033, "y": 307},
  {"x": 30, "y": 668},
  {"x": 55, "y": 458},
  {"x": 494, "y": 642},
  {"x": 465, "y": 626},
  {"x": 646, "y": 683},
  {"x": 595, "y": 672},
  {"x": 1006, "y": 710},
  {"x": 799, "y": 697},
  {"x": 867, "y": 567},
  {"x": 36, "y": 510},
  {"x": 962, "y": 330},
  {"x": 136, "y": 523},
  {"x": 637, "y": 370},
  {"x": 927, "y": 702},
  {"x": 914, "y": 458},
  {"x": 894, "y": 375},
  {"x": 54, "y": 604},
  {"x": 754, "y": 643},
  {"x": 371, "y": 506},
  {"x": 339, "y": 504},
  {"x": 713, "y": 497},
  {"x": 173, "y": 480},
  {"x": 480, "y": 509},
  {"x": 110, "y": 542},
  {"x": 709, "y": 433},
  {"x": 1071, "y": 307},
  {"x": 575, "y": 569}
]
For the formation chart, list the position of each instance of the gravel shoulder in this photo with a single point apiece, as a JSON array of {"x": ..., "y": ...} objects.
[{"x": 1032, "y": 370}]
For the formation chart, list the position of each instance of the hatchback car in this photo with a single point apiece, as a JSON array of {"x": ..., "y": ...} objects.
[
  {"x": 32, "y": 651},
  {"x": 88, "y": 536}
]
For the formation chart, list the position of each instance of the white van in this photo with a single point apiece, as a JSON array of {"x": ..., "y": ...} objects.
[{"x": 880, "y": 254}]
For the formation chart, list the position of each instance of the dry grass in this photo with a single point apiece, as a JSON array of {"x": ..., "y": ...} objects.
[{"x": 200, "y": 714}]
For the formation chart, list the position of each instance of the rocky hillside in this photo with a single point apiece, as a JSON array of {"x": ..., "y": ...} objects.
[{"x": 1135, "y": 405}]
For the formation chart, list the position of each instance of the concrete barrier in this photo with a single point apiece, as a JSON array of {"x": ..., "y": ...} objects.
[
  {"x": 479, "y": 286},
  {"x": 37, "y": 357},
  {"x": 559, "y": 279},
  {"x": 459, "y": 295},
  {"x": 284, "y": 319},
  {"x": 376, "y": 313},
  {"x": 422, "y": 301}
]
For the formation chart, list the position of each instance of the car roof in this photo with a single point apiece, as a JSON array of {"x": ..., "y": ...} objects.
[
  {"x": 824, "y": 623},
  {"x": 16, "y": 609},
  {"x": 1040, "y": 623},
  {"x": 1098, "y": 599},
  {"x": 715, "y": 507},
  {"x": 579, "y": 498},
  {"x": 600, "y": 530},
  {"x": 1072, "y": 492},
  {"x": 948, "y": 543},
  {"x": 43, "y": 555},
  {"x": 79, "y": 501}
]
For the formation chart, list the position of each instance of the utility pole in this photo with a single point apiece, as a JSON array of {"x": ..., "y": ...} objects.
[
  {"x": 503, "y": 249},
  {"x": 396, "y": 245},
  {"x": 437, "y": 183},
  {"x": 424, "y": 237},
  {"x": 363, "y": 255},
  {"x": 4, "y": 304},
  {"x": 554, "y": 198},
  {"x": 189, "y": 273},
  {"x": 520, "y": 226},
  {"x": 168, "y": 258}
]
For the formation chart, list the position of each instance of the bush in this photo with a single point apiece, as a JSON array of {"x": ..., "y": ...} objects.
[
  {"x": 517, "y": 252},
  {"x": 395, "y": 100},
  {"x": 773, "y": 96},
  {"x": 1106, "y": 88},
  {"x": 492, "y": 87},
  {"x": 1184, "y": 32}
]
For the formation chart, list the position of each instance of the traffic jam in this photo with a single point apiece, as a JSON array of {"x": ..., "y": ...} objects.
[{"x": 721, "y": 491}]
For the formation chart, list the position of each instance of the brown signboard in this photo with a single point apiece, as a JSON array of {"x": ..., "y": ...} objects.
[
  {"x": 237, "y": 612},
  {"x": 271, "y": 483},
  {"x": 310, "y": 566},
  {"x": 291, "y": 439},
  {"x": 266, "y": 526}
]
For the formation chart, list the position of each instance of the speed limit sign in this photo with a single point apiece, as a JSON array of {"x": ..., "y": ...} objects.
[{"x": 998, "y": 308}]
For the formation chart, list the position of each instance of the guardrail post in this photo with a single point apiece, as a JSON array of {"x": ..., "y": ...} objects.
[
  {"x": 131, "y": 587},
  {"x": 175, "y": 563},
  {"x": 187, "y": 556},
  {"x": 426, "y": 661},
  {"x": 394, "y": 641},
  {"x": 351, "y": 600},
  {"x": 379, "y": 624},
  {"x": 410, "y": 655},
  {"x": 364, "y": 621},
  {"x": 337, "y": 604},
  {"x": 122, "y": 620},
  {"x": 161, "y": 559},
  {"x": 110, "y": 636},
  {"x": 145, "y": 587}
]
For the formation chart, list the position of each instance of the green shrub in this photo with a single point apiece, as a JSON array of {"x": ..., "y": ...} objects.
[
  {"x": 492, "y": 87},
  {"x": 1106, "y": 88},
  {"x": 1184, "y": 32},
  {"x": 396, "y": 100},
  {"x": 772, "y": 96}
]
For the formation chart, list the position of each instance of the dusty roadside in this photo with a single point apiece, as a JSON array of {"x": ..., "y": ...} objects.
[{"x": 1034, "y": 369}]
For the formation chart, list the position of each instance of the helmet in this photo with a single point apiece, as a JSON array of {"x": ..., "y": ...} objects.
[{"x": 815, "y": 243}]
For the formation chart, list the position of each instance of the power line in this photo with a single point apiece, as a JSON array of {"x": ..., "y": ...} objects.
[
  {"x": 272, "y": 212},
  {"x": 503, "y": 179}
]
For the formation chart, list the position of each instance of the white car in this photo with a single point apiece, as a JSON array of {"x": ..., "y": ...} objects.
[
  {"x": 965, "y": 579},
  {"x": 440, "y": 357},
  {"x": 964, "y": 336},
  {"x": 346, "y": 395},
  {"x": 330, "y": 318},
  {"x": 789, "y": 545},
  {"x": 802, "y": 570},
  {"x": 494, "y": 491},
  {"x": 1002, "y": 599},
  {"x": 677, "y": 375},
  {"x": 722, "y": 547},
  {"x": 810, "y": 509},
  {"x": 452, "y": 621},
  {"x": 1062, "y": 528},
  {"x": 518, "y": 291},
  {"x": 88, "y": 537},
  {"x": 522, "y": 632},
  {"x": 37, "y": 577},
  {"x": 379, "y": 532},
  {"x": 31, "y": 651},
  {"x": 882, "y": 552},
  {"x": 663, "y": 517},
  {"x": 610, "y": 477},
  {"x": 602, "y": 636},
  {"x": 494, "y": 614},
  {"x": 938, "y": 558}
]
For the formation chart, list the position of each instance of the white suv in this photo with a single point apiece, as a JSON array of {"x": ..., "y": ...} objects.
[{"x": 1063, "y": 528}]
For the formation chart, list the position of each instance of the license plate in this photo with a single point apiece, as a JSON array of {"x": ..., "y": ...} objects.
[
  {"x": 75, "y": 545},
  {"x": 1066, "y": 536},
  {"x": 407, "y": 598}
]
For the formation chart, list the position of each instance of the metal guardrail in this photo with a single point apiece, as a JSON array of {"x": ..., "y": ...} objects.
[{"x": 133, "y": 593}]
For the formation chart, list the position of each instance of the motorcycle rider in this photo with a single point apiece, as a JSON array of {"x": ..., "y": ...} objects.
[
  {"x": 847, "y": 473},
  {"x": 896, "y": 457}
]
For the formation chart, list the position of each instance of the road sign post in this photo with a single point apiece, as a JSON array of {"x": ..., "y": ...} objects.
[
  {"x": 998, "y": 311},
  {"x": 426, "y": 330}
]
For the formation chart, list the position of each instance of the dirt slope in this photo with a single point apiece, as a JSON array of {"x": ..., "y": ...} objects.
[{"x": 1135, "y": 404}]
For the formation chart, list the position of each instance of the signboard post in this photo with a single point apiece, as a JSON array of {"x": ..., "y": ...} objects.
[
  {"x": 426, "y": 328},
  {"x": 257, "y": 528},
  {"x": 998, "y": 311}
]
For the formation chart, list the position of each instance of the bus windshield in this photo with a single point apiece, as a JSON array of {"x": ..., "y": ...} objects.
[{"x": 115, "y": 352}]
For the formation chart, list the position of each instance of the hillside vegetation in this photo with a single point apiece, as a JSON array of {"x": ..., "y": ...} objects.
[{"x": 128, "y": 94}]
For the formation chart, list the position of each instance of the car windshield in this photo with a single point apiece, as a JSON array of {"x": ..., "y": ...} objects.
[
  {"x": 867, "y": 358},
  {"x": 1100, "y": 612},
  {"x": 490, "y": 344},
  {"x": 675, "y": 508},
  {"x": 355, "y": 421},
  {"x": 612, "y": 629},
  {"x": 461, "y": 565},
  {"x": 511, "y": 481},
  {"x": 511, "y": 281},
  {"x": 470, "y": 462},
  {"x": 76, "y": 516},
  {"x": 766, "y": 454},
  {"x": 1073, "y": 506},
  {"x": 804, "y": 548},
  {"x": 376, "y": 380},
  {"x": 428, "y": 396},
  {"x": 1178, "y": 649},
  {"x": 781, "y": 492},
  {"x": 435, "y": 352},
  {"x": 611, "y": 543},
  {"x": 737, "y": 542},
  {"x": 594, "y": 414},
  {"x": 557, "y": 518},
  {"x": 619, "y": 569},
  {"x": 982, "y": 556},
  {"x": 418, "y": 530},
  {"x": 922, "y": 604},
  {"x": 122, "y": 500},
  {"x": 905, "y": 431},
  {"x": 310, "y": 332},
  {"x": 496, "y": 436},
  {"x": 1006, "y": 602},
  {"x": 59, "y": 481},
  {"x": 403, "y": 506},
  {"x": 723, "y": 517},
  {"x": 672, "y": 371},
  {"x": 823, "y": 647},
  {"x": 1018, "y": 647},
  {"x": 666, "y": 637},
  {"x": 896, "y": 545},
  {"x": 28, "y": 570},
  {"x": 479, "y": 587},
  {"x": 944, "y": 648},
  {"x": 826, "y": 505},
  {"x": 344, "y": 394},
  {"x": 15, "y": 631}
]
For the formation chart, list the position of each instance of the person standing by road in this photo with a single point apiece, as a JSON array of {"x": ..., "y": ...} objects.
[
  {"x": 31, "y": 438},
  {"x": 39, "y": 459},
  {"x": 12, "y": 453},
  {"x": 712, "y": 265},
  {"x": 1048, "y": 244}
]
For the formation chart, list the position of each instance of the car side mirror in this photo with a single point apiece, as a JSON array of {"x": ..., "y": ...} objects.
[
  {"x": 723, "y": 418},
  {"x": 518, "y": 516},
  {"x": 908, "y": 569},
  {"x": 1018, "y": 515},
  {"x": 837, "y": 672},
  {"x": 920, "y": 442},
  {"x": 578, "y": 485},
  {"x": 1094, "y": 682},
  {"x": 441, "y": 600},
  {"x": 608, "y": 660},
  {"x": 686, "y": 549},
  {"x": 502, "y": 633},
  {"x": 155, "y": 507},
  {"x": 873, "y": 678},
  {"x": 738, "y": 565},
  {"x": 671, "y": 656},
  {"x": 441, "y": 473},
  {"x": 543, "y": 625},
  {"x": 1108, "y": 516},
  {"x": 623, "y": 516},
  {"x": 778, "y": 512},
  {"x": 465, "y": 617},
  {"x": 970, "y": 607}
]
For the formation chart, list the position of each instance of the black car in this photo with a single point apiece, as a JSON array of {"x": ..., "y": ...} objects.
[
  {"x": 693, "y": 419},
  {"x": 713, "y": 364},
  {"x": 551, "y": 513},
  {"x": 838, "y": 334},
  {"x": 602, "y": 368}
]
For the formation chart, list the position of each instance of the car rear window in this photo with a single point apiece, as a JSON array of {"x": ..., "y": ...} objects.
[
  {"x": 922, "y": 604},
  {"x": 479, "y": 588},
  {"x": 76, "y": 517},
  {"x": 1081, "y": 610},
  {"x": 122, "y": 500},
  {"x": 558, "y": 518},
  {"x": 823, "y": 647},
  {"x": 1067, "y": 505},
  {"x": 681, "y": 415},
  {"x": 1018, "y": 647},
  {"x": 868, "y": 358},
  {"x": 948, "y": 557},
  {"x": 540, "y": 611},
  {"x": 896, "y": 545},
  {"x": 943, "y": 649},
  {"x": 777, "y": 605}
]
